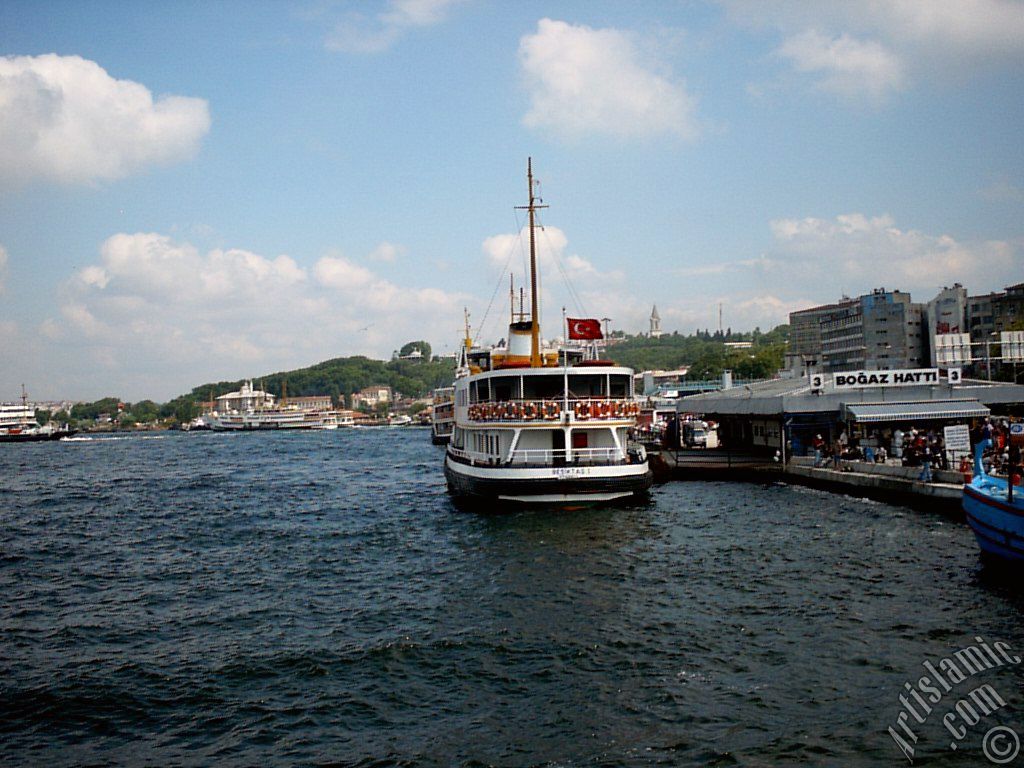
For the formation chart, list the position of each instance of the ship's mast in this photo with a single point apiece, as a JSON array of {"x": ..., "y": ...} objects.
[{"x": 535, "y": 361}]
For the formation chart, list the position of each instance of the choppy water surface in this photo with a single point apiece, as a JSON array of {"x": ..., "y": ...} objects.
[{"x": 314, "y": 598}]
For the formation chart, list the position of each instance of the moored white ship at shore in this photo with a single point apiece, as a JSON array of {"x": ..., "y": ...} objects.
[{"x": 534, "y": 425}]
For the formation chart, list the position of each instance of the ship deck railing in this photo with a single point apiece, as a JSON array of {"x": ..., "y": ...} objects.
[{"x": 540, "y": 457}]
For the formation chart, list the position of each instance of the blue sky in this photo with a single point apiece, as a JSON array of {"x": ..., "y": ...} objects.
[{"x": 205, "y": 191}]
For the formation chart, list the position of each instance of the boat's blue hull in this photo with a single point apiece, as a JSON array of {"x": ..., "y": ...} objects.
[{"x": 997, "y": 523}]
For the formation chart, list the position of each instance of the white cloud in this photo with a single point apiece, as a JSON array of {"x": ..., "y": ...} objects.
[
  {"x": 851, "y": 252},
  {"x": 361, "y": 34},
  {"x": 387, "y": 252},
  {"x": 552, "y": 258},
  {"x": 848, "y": 67},
  {"x": 3, "y": 269},
  {"x": 583, "y": 80},
  {"x": 168, "y": 317},
  {"x": 816, "y": 260},
  {"x": 339, "y": 272},
  {"x": 886, "y": 44},
  {"x": 65, "y": 119}
]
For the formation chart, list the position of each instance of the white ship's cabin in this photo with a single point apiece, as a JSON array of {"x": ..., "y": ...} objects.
[
  {"x": 569, "y": 415},
  {"x": 444, "y": 404},
  {"x": 17, "y": 415}
]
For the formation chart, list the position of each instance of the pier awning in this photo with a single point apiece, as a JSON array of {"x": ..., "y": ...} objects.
[{"x": 928, "y": 410}]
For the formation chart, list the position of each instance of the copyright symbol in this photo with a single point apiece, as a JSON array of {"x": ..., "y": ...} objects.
[{"x": 1001, "y": 744}]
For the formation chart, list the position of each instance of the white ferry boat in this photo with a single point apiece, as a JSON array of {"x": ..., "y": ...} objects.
[
  {"x": 542, "y": 426},
  {"x": 278, "y": 418},
  {"x": 251, "y": 409},
  {"x": 18, "y": 424},
  {"x": 442, "y": 416}
]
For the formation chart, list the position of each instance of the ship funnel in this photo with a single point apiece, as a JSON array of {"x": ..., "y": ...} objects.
[{"x": 520, "y": 339}]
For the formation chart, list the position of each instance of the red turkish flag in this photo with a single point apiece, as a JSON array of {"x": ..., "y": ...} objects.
[{"x": 586, "y": 328}]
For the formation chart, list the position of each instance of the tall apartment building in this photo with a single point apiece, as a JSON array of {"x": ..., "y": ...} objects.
[
  {"x": 1008, "y": 309},
  {"x": 877, "y": 331},
  {"x": 946, "y": 313},
  {"x": 803, "y": 355},
  {"x": 993, "y": 313},
  {"x": 980, "y": 317}
]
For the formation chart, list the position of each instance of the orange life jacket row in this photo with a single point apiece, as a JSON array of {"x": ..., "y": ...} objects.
[{"x": 551, "y": 410}]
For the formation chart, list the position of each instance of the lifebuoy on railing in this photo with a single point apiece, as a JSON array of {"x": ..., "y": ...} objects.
[
  {"x": 552, "y": 411},
  {"x": 530, "y": 411},
  {"x": 582, "y": 409}
]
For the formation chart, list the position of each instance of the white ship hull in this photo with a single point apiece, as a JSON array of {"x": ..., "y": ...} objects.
[
  {"x": 271, "y": 420},
  {"x": 546, "y": 485}
]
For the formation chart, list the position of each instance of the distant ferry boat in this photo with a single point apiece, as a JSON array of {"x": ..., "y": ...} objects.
[
  {"x": 442, "y": 417},
  {"x": 252, "y": 409},
  {"x": 277, "y": 418},
  {"x": 18, "y": 424},
  {"x": 542, "y": 426}
]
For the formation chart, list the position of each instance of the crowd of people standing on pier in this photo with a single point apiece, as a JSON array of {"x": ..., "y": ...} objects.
[
  {"x": 924, "y": 448},
  {"x": 910, "y": 447}
]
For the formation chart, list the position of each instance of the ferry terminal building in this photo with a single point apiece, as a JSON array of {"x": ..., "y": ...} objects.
[{"x": 763, "y": 416}]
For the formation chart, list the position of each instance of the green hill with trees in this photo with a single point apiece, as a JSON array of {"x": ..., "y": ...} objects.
[
  {"x": 704, "y": 353},
  {"x": 340, "y": 378}
]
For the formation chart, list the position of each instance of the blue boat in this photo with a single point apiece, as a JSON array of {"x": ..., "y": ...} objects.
[{"x": 995, "y": 516}]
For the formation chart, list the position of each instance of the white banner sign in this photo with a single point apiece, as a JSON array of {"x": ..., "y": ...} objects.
[
  {"x": 1012, "y": 344},
  {"x": 957, "y": 439},
  {"x": 952, "y": 348},
  {"x": 899, "y": 378}
]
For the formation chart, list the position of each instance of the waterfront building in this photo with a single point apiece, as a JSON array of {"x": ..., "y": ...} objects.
[
  {"x": 311, "y": 402},
  {"x": 1008, "y": 309},
  {"x": 803, "y": 355},
  {"x": 372, "y": 396},
  {"x": 988, "y": 316},
  {"x": 946, "y": 314},
  {"x": 980, "y": 317},
  {"x": 878, "y": 331},
  {"x": 245, "y": 399},
  {"x": 881, "y": 330}
]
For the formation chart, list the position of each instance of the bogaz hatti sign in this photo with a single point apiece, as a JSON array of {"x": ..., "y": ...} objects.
[{"x": 908, "y": 377}]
